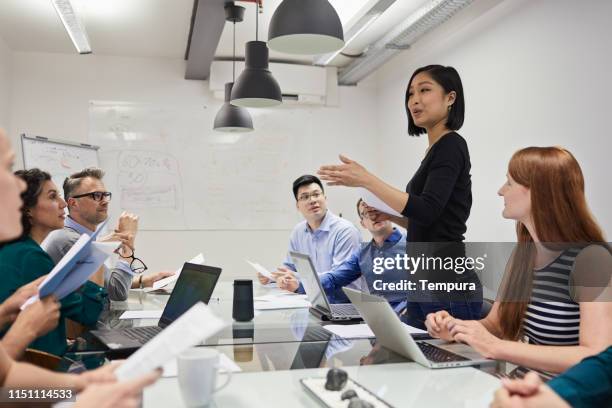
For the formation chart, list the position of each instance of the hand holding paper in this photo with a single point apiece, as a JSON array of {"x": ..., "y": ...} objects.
[
  {"x": 261, "y": 270},
  {"x": 373, "y": 201}
]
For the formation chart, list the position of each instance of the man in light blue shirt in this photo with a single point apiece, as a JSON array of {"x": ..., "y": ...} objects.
[{"x": 328, "y": 239}]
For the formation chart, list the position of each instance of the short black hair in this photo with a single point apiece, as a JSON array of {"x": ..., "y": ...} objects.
[
  {"x": 305, "y": 180},
  {"x": 449, "y": 79},
  {"x": 74, "y": 181},
  {"x": 34, "y": 179}
]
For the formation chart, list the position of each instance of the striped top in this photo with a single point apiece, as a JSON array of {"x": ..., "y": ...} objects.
[{"x": 552, "y": 317}]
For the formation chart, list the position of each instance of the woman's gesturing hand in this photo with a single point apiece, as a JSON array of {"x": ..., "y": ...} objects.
[{"x": 350, "y": 173}]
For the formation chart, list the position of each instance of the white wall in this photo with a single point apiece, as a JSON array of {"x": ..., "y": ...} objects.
[
  {"x": 5, "y": 83},
  {"x": 534, "y": 73},
  {"x": 50, "y": 97}
]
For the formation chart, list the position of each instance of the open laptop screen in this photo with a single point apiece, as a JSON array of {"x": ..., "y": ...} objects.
[
  {"x": 196, "y": 283},
  {"x": 310, "y": 280}
]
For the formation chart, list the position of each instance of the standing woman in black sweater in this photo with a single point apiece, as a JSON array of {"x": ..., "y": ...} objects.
[{"x": 438, "y": 198}]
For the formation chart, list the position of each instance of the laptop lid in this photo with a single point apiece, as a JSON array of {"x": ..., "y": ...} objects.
[
  {"x": 389, "y": 330},
  {"x": 195, "y": 283},
  {"x": 310, "y": 279}
]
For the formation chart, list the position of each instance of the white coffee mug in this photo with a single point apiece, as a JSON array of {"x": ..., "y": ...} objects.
[{"x": 197, "y": 375}]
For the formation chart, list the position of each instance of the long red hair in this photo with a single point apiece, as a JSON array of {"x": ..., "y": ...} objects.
[{"x": 560, "y": 215}]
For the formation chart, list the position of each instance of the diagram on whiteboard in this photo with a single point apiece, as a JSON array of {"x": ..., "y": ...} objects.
[
  {"x": 148, "y": 179},
  {"x": 167, "y": 165}
]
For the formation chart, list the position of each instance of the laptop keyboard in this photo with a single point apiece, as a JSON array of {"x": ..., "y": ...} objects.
[
  {"x": 439, "y": 355},
  {"x": 344, "y": 309},
  {"x": 141, "y": 334}
]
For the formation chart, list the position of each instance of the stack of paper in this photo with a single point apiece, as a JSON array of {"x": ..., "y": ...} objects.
[
  {"x": 361, "y": 331},
  {"x": 141, "y": 314},
  {"x": 273, "y": 302},
  {"x": 279, "y": 296}
]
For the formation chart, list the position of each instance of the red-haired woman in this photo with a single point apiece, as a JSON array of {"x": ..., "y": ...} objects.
[{"x": 551, "y": 310}]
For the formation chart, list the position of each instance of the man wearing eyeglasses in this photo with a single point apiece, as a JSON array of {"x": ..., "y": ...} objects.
[
  {"x": 328, "y": 239},
  {"x": 387, "y": 242},
  {"x": 88, "y": 202}
]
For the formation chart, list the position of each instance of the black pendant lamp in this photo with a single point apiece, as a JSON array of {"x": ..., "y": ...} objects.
[
  {"x": 256, "y": 87},
  {"x": 305, "y": 27},
  {"x": 232, "y": 118}
]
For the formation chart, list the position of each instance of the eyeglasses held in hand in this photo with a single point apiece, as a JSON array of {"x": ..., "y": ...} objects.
[{"x": 136, "y": 264}]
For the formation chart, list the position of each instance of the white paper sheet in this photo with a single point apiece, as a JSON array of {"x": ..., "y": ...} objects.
[
  {"x": 279, "y": 296},
  {"x": 193, "y": 327},
  {"x": 141, "y": 314},
  {"x": 225, "y": 364},
  {"x": 373, "y": 201},
  {"x": 260, "y": 269},
  {"x": 198, "y": 259},
  {"x": 282, "y": 304},
  {"x": 360, "y": 331}
]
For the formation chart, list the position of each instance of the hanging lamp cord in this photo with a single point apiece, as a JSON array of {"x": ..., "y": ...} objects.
[
  {"x": 256, "y": 20},
  {"x": 234, "y": 55}
]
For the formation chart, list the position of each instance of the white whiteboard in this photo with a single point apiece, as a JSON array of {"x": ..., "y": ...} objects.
[
  {"x": 166, "y": 164},
  {"x": 57, "y": 157}
]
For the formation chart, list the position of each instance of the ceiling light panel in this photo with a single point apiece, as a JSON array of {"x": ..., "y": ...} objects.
[{"x": 73, "y": 25}]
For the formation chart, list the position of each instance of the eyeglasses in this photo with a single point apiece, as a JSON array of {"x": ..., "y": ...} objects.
[
  {"x": 96, "y": 195},
  {"x": 136, "y": 264},
  {"x": 315, "y": 195}
]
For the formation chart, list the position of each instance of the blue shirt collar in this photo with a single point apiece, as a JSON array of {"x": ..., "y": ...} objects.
[
  {"x": 328, "y": 219},
  {"x": 395, "y": 236},
  {"x": 392, "y": 239},
  {"x": 72, "y": 224}
]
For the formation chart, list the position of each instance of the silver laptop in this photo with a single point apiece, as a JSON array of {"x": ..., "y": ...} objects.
[
  {"x": 393, "y": 334},
  {"x": 321, "y": 306}
]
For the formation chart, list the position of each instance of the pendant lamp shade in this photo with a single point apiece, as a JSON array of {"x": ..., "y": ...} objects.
[
  {"x": 256, "y": 87},
  {"x": 232, "y": 118},
  {"x": 305, "y": 27}
]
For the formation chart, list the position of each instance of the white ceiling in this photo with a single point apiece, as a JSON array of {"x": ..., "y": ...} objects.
[
  {"x": 144, "y": 28},
  {"x": 160, "y": 28}
]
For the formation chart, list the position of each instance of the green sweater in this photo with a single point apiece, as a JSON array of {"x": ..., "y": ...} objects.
[
  {"x": 588, "y": 383},
  {"x": 23, "y": 261}
]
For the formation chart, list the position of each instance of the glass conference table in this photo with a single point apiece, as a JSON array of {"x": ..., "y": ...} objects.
[
  {"x": 282, "y": 346},
  {"x": 268, "y": 326}
]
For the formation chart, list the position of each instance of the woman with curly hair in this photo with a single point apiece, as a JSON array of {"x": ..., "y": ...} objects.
[{"x": 23, "y": 260}]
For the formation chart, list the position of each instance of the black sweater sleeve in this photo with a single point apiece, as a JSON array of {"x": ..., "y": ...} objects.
[{"x": 446, "y": 163}]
